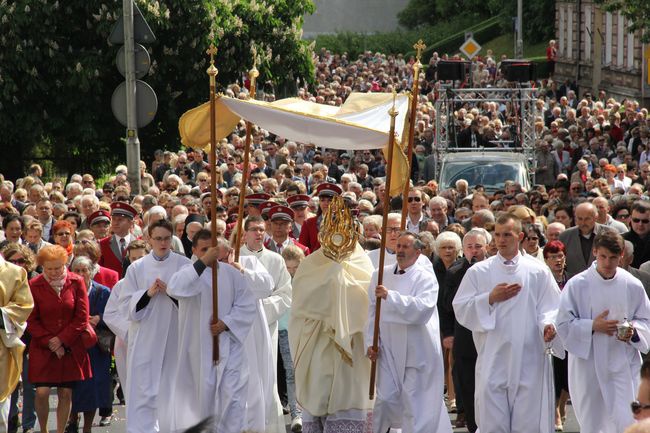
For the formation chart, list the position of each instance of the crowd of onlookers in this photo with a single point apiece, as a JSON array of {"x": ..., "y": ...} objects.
[{"x": 591, "y": 170}]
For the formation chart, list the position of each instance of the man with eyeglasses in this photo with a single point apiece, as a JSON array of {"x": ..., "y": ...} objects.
[
  {"x": 153, "y": 332},
  {"x": 641, "y": 406},
  {"x": 114, "y": 247},
  {"x": 415, "y": 211},
  {"x": 275, "y": 304},
  {"x": 299, "y": 204},
  {"x": 639, "y": 230},
  {"x": 604, "y": 324}
]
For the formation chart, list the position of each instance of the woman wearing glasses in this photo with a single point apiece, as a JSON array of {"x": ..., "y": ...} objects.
[{"x": 63, "y": 235}]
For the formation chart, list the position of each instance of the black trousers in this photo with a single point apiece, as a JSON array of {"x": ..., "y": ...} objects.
[{"x": 464, "y": 368}]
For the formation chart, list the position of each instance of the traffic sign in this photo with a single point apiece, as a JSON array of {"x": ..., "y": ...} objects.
[
  {"x": 470, "y": 48},
  {"x": 141, "y": 31},
  {"x": 146, "y": 103},
  {"x": 142, "y": 61}
]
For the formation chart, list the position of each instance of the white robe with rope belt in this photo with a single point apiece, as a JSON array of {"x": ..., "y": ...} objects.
[
  {"x": 409, "y": 368},
  {"x": 512, "y": 394},
  {"x": 603, "y": 371},
  {"x": 202, "y": 388}
]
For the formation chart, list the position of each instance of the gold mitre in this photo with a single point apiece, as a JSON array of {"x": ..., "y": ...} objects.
[{"x": 338, "y": 235}]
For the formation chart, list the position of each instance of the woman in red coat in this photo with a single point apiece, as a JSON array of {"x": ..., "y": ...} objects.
[{"x": 57, "y": 356}]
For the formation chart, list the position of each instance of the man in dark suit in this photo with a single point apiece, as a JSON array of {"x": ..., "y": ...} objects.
[
  {"x": 639, "y": 233},
  {"x": 113, "y": 248},
  {"x": 454, "y": 335},
  {"x": 579, "y": 240}
]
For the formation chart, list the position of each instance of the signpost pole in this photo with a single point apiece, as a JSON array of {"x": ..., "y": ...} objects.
[{"x": 132, "y": 141}]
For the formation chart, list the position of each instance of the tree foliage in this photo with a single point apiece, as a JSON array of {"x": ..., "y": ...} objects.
[
  {"x": 637, "y": 11},
  {"x": 538, "y": 15},
  {"x": 57, "y": 70}
]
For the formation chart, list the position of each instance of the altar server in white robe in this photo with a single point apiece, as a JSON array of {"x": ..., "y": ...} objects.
[
  {"x": 116, "y": 317},
  {"x": 153, "y": 333},
  {"x": 409, "y": 360},
  {"x": 510, "y": 302},
  {"x": 260, "y": 400},
  {"x": 204, "y": 388},
  {"x": 274, "y": 305},
  {"x": 604, "y": 366}
]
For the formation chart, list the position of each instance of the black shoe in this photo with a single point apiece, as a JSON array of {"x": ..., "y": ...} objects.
[{"x": 72, "y": 427}]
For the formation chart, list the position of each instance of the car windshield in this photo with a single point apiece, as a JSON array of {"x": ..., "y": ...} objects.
[{"x": 491, "y": 174}]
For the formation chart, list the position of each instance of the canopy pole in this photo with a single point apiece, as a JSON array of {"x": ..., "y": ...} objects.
[
  {"x": 413, "y": 115},
  {"x": 212, "y": 72},
  {"x": 382, "y": 250},
  {"x": 252, "y": 74}
]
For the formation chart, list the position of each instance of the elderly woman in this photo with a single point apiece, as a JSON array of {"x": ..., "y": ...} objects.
[
  {"x": 90, "y": 248},
  {"x": 447, "y": 249},
  {"x": 57, "y": 356},
  {"x": 21, "y": 255},
  {"x": 555, "y": 258},
  {"x": 94, "y": 392}
]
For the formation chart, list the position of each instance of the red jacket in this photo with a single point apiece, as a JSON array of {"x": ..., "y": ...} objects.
[
  {"x": 109, "y": 259},
  {"x": 64, "y": 316},
  {"x": 309, "y": 234},
  {"x": 107, "y": 277}
]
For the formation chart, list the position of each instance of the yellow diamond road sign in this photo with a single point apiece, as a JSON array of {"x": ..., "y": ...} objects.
[{"x": 470, "y": 48}]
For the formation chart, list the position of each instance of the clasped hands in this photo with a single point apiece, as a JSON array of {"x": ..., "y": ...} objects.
[
  {"x": 158, "y": 286},
  {"x": 56, "y": 346}
]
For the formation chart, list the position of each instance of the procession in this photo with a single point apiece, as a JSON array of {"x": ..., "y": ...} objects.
[{"x": 407, "y": 243}]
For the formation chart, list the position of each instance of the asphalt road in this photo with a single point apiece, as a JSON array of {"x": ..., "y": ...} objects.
[{"x": 118, "y": 424}]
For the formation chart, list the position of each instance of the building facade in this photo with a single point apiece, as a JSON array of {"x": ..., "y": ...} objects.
[{"x": 598, "y": 52}]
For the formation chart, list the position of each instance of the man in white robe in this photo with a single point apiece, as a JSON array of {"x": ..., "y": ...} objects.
[
  {"x": 603, "y": 366},
  {"x": 409, "y": 357},
  {"x": 153, "y": 333},
  {"x": 204, "y": 388},
  {"x": 274, "y": 305},
  {"x": 509, "y": 302},
  {"x": 116, "y": 317}
]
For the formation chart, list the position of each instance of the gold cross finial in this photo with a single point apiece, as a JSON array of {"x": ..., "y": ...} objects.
[
  {"x": 212, "y": 51},
  {"x": 419, "y": 47}
]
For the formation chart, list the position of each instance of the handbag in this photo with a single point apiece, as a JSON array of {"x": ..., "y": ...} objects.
[
  {"x": 105, "y": 339},
  {"x": 88, "y": 336}
]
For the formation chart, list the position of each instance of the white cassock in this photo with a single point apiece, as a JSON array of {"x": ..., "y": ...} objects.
[
  {"x": 409, "y": 368},
  {"x": 152, "y": 351},
  {"x": 603, "y": 371},
  {"x": 261, "y": 370},
  {"x": 274, "y": 307},
  {"x": 116, "y": 317},
  {"x": 202, "y": 388},
  {"x": 512, "y": 394}
]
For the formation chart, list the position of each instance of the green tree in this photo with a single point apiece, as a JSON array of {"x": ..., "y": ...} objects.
[
  {"x": 637, "y": 11},
  {"x": 57, "y": 71}
]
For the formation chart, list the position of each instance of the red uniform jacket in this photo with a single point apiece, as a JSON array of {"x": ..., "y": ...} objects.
[
  {"x": 109, "y": 258},
  {"x": 64, "y": 316},
  {"x": 309, "y": 233},
  {"x": 270, "y": 245},
  {"x": 107, "y": 277}
]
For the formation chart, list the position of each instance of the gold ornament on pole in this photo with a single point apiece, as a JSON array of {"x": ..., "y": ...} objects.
[
  {"x": 212, "y": 71},
  {"x": 419, "y": 47},
  {"x": 252, "y": 74},
  {"x": 382, "y": 249}
]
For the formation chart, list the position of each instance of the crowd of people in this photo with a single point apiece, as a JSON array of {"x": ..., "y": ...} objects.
[{"x": 478, "y": 281}]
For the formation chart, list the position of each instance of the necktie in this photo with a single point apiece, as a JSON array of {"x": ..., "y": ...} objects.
[
  {"x": 398, "y": 271},
  {"x": 122, "y": 246}
]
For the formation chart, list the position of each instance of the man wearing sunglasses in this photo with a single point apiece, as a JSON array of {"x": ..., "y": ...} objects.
[
  {"x": 415, "y": 213},
  {"x": 597, "y": 307},
  {"x": 641, "y": 406},
  {"x": 638, "y": 234}
]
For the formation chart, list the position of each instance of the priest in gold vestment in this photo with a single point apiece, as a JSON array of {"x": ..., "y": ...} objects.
[
  {"x": 15, "y": 305},
  {"x": 326, "y": 329}
]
